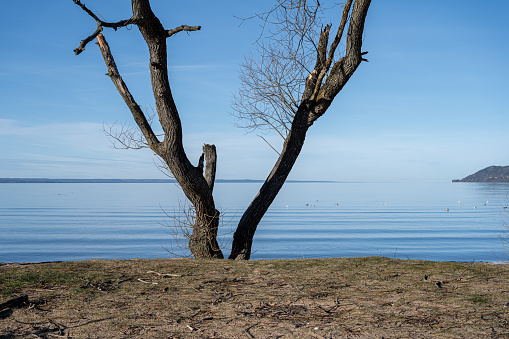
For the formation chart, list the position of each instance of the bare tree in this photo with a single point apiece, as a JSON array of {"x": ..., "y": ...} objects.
[
  {"x": 196, "y": 185},
  {"x": 281, "y": 90},
  {"x": 269, "y": 95}
]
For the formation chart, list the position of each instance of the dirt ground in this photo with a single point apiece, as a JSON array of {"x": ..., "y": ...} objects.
[{"x": 317, "y": 298}]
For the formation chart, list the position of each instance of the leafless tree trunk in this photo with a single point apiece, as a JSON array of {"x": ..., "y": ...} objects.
[
  {"x": 301, "y": 96},
  {"x": 196, "y": 187},
  {"x": 322, "y": 85}
]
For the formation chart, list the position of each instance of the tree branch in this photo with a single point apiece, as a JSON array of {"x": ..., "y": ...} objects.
[
  {"x": 85, "y": 41},
  {"x": 175, "y": 30},
  {"x": 344, "y": 68},
  {"x": 118, "y": 24},
  {"x": 100, "y": 25},
  {"x": 313, "y": 82},
  {"x": 339, "y": 34},
  {"x": 117, "y": 80},
  {"x": 89, "y": 12},
  {"x": 332, "y": 50}
]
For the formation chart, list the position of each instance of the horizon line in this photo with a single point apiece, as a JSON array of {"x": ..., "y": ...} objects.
[{"x": 118, "y": 180}]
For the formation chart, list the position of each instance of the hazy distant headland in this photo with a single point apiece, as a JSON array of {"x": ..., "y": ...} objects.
[
  {"x": 128, "y": 181},
  {"x": 488, "y": 174}
]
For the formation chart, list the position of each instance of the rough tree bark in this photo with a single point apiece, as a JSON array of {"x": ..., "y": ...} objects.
[
  {"x": 196, "y": 187},
  {"x": 317, "y": 97}
]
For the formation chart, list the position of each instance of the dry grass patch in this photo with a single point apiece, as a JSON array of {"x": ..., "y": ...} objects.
[{"x": 316, "y": 298}]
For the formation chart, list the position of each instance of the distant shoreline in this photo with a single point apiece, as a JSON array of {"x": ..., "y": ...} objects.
[{"x": 132, "y": 181}]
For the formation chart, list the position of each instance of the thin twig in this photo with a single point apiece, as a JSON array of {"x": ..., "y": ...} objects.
[
  {"x": 166, "y": 274},
  {"x": 147, "y": 282},
  {"x": 191, "y": 328},
  {"x": 459, "y": 277},
  {"x": 269, "y": 144}
]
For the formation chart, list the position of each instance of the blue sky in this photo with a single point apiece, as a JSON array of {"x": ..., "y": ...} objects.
[{"x": 431, "y": 105}]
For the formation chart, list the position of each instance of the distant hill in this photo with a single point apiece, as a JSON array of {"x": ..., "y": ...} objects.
[{"x": 489, "y": 174}]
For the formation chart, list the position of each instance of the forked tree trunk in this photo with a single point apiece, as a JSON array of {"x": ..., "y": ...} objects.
[
  {"x": 203, "y": 242},
  {"x": 315, "y": 101},
  {"x": 196, "y": 184},
  {"x": 196, "y": 187}
]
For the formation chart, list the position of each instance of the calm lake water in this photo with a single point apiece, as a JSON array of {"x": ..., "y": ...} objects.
[{"x": 48, "y": 222}]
